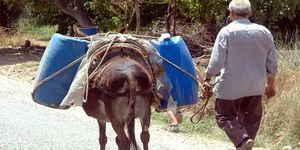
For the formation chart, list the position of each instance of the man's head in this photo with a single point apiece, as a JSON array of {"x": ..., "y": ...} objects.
[{"x": 239, "y": 9}]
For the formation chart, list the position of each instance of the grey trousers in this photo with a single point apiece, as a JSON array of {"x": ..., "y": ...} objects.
[{"x": 240, "y": 118}]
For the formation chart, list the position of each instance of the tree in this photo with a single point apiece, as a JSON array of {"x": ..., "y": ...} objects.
[
  {"x": 281, "y": 16},
  {"x": 111, "y": 15},
  {"x": 138, "y": 16},
  {"x": 74, "y": 8},
  {"x": 9, "y": 13},
  {"x": 137, "y": 11}
]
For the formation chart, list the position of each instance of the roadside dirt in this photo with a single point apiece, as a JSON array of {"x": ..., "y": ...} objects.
[{"x": 20, "y": 63}]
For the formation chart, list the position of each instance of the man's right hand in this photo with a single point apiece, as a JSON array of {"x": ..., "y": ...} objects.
[
  {"x": 206, "y": 91},
  {"x": 270, "y": 91},
  {"x": 270, "y": 87}
]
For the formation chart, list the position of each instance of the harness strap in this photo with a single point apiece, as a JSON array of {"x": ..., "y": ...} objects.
[
  {"x": 114, "y": 94},
  {"x": 130, "y": 44}
]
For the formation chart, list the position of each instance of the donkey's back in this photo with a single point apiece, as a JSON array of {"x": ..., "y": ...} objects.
[{"x": 121, "y": 91}]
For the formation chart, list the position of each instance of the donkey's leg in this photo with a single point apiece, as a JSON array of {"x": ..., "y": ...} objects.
[
  {"x": 115, "y": 119},
  {"x": 102, "y": 134},
  {"x": 122, "y": 140},
  {"x": 145, "y": 122}
]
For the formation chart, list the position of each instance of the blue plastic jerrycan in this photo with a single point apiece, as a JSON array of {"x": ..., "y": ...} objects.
[
  {"x": 60, "y": 52},
  {"x": 185, "y": 89}
]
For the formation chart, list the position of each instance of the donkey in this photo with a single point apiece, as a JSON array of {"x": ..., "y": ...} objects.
[{"x": 120, "y": 92}]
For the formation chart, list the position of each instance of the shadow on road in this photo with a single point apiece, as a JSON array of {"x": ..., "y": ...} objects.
[
  {"x": 16, "y": 55},
  {"x": 20, "y": 63}
]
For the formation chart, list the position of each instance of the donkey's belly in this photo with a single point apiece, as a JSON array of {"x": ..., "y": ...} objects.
[{"x": 102, "y": 114}]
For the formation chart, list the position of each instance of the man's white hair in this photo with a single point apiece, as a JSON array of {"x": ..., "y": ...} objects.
[{"x": 240, "y": 7}]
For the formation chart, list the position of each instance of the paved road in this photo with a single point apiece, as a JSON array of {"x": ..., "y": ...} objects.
[{"x": 26, "y": 125}]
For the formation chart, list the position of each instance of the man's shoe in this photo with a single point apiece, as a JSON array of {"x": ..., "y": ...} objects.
[
  {"x": 248, "y": 144},
  {"x": 174, "y": 128}
]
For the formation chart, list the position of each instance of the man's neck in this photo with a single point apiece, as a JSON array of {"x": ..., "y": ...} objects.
[{"x": 239, "y": 17}]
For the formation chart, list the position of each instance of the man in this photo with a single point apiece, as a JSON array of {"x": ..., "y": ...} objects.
[{"x": 245, "y": 63}]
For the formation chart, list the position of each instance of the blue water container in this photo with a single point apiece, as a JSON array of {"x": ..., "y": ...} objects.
[
  {"x": 60, "y": 52},
  {"x": 185, "y": 88},
  {"x": 89, "y": 30}
]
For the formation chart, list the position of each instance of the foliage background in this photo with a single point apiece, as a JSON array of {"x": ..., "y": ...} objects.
[{"x": 280, "y": 16}]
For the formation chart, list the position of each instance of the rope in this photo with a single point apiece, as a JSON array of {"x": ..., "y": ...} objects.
[
  {"x": 57, "y": 73},
  {"x": 100, "y": 63},
  {"x": 177, "y": 67},
  {"x": 203, "y": 107},
  {"x": 128, "y": 43},
  {"x": 107, "y": 49},
  {"x": 166, "y": 60},
  {"x": 91, "y": 37},
  {"x": 98, "y": 66}
]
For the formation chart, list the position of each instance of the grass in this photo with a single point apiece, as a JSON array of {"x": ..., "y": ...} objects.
[
  {"x": 26, "y": 27},
  {"x": 25, "y": 30},
  {"x": 205, "y": 128},
  {"x": 8, "y": 40},
  {"x": 281, "y": 126}
]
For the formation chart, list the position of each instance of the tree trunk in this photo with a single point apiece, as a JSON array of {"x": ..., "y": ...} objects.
[
  {"x": 138, "y": 17},
  {"x": 174, "y": 17},
  {"x": 75, "y": 9},
  {"x": 168, "y": 25}
]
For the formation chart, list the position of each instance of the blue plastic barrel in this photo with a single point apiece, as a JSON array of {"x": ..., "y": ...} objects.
[
  {"x": 185, "y": 89},
  {"x": 89, "y": 30},
  {"x": 60, "y": 52}
]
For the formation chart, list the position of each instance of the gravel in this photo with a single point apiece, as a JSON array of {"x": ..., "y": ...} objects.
[{"x": 26, "y": 125}]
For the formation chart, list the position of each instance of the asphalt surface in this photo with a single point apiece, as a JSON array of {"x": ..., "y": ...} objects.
[{"x": 26, "y": 125}]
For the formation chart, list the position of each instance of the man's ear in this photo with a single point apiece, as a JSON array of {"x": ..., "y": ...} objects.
[{"x": 231, "y": 15}]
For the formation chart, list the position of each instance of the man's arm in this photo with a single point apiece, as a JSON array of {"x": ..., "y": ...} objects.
[
  {"x": 271, "y": 67},
  {"x": 218, "y": 56}
]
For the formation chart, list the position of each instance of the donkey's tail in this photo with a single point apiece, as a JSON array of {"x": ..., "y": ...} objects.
[
  {"x": 131, "y": 103},
  {"x": 130, "y": 112}
]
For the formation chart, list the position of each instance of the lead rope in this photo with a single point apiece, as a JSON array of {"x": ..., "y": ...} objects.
[{"x": 203, "y": 107}]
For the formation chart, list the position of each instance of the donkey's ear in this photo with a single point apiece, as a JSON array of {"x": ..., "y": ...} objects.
[{"x": 124, "y": 30}]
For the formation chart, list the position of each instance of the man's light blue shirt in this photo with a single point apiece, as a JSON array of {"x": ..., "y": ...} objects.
[{"x": 243, "y": 55}]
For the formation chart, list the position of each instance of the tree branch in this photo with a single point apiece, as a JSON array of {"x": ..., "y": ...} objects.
[{"x": 77, "y": 10}]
